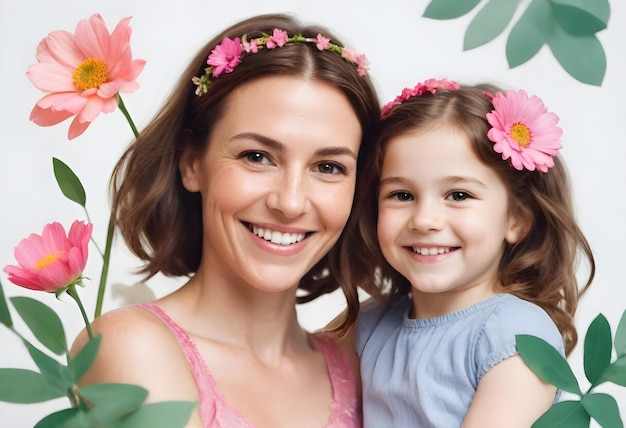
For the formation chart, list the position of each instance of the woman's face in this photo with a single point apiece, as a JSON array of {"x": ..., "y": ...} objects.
[{"x": 277, "y": 181}]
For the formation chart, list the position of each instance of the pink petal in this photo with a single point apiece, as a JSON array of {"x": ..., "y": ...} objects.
[
  {"x": 51, "y": 77},
  {"x": 48, "y": 117},
  {"x": 60, "y": 47},
  {"x": 77, "y": 128}
]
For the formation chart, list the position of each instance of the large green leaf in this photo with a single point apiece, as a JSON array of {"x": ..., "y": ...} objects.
[
  {"x": 547, "y": 363},
  {"x": 616, "y": 372},
  {"x": 489, "y": 22},
  {"x": 620, "y": 336},
  {"x": 81, "y": 363},
  {"x": 5, "y": 315},
  {"x": 25, "y": 387},
  {"x": 58, "y": 376},
  {"x": 582, "y": 57},
  {"x": 167, "y": 414},
  {"x": 582, "y": 17},
  {"x": 530, "y": 33},
  {"x": 43, "y": 322},
  {"x": 598, "y": 349},
  {"x": 67, "y": 418},
  {"x": 566, "y": 414},
  {"x": 449, "y": 9},
  {"x": 603, "y": 408},
  {"x": 69, "y": 183},
  {"x": 112, "y": 401}
]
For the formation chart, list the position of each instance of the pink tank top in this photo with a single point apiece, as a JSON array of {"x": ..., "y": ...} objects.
[{"x": 216, "y": 412}]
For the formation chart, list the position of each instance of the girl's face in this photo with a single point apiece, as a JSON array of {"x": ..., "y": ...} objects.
[
  {"x": 443, "y": 220},
  {"x": 277, "y": 181}
]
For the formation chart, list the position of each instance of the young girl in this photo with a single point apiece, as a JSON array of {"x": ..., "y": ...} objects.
[{"x": 473, "y": 216}]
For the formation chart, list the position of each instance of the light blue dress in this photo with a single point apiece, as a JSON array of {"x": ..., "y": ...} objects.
[{"x": 421, "y": 373}]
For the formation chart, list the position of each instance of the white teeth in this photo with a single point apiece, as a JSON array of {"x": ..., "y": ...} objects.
[
  {"x": 431, "y": 251},
  {"x": 277, "y": 237}
]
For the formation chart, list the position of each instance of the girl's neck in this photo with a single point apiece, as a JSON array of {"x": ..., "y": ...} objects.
[{"x": 432, "y": 305}]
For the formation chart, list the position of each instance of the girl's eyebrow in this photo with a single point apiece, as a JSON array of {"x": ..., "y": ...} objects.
[
  {"x": 277, "y": 145},
  {"x": 452, "y": 179}
]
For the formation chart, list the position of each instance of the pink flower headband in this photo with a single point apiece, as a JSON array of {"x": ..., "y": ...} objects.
[
  {"x": 227, "y": 55},
  {"x": 522, "y": 127}
]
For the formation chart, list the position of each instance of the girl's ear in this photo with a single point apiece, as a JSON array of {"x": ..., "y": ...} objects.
[
  {"x": 519, "y": 225},
  {"x": 189, "y": 167}
]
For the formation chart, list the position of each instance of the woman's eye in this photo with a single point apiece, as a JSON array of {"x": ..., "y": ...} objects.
[
  {"x": 402, "y": 196},
  {"x": 331, "y": 168},
  {"x": 256, "y": 157},
  {"x": 459, "y": 196}
]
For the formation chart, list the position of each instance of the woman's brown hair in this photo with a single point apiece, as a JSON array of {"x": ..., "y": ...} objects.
[
  {"x": 161, "y": 221},
  {"x": 541, "y": 268}
]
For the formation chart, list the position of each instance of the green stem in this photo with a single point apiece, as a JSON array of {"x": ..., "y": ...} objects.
[
  {"x": 122, "y": 107},
  {"x": 74, "y": 295},
  {"x": 105, "y": 266}
]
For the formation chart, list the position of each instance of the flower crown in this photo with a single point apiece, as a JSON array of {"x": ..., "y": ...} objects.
[
  {"x": 227, "y": 55},
  {"x": 522, "y": 127}
]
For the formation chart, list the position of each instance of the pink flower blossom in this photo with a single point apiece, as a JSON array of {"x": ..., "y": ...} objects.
[
  {"x": 251, "y": 46},
  {"x": 524, "y": 131},
  {"x": 278, "y": 38},
  {"x": 226, "y": 56},
  {"x": 51, "y": 261},
  {"x": 430, "y": 85},
  {"x": 82, "y": 73},
  {"x": 322, "y": 43},
  {"x": 360, "y": 60}
]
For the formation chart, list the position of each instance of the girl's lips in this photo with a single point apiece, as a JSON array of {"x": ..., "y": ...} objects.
[{"x": 432, "y": 251}]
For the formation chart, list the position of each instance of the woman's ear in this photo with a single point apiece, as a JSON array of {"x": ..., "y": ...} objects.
[
  {"x": 520, "y": 222},
  {"x": 189, "y": 167}
]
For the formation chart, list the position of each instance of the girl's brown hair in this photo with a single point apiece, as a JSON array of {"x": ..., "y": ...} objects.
[
  {"x": 161, "y": 221},
  {"x": 541, "y": 268}
]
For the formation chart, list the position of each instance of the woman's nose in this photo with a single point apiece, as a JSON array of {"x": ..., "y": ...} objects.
[{"x": 290, "y": 195}]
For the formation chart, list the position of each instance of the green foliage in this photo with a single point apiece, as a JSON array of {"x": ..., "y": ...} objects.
[
  {"x": 568, "y": 27},
  {"x": 43, "y": 322},
  {"x": 5, "y": 315},
  {"x": 550, "y": 366},
  {"x": 69, "y": 183}
]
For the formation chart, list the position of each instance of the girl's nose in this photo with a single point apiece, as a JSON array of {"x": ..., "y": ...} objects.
[{"x": 427, "y": 216}]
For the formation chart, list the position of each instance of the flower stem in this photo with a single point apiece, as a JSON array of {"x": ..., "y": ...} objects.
[
  {"x": 122, "y": 107},
  {"x": 74, "y": 295},
  {"x": 105, "y": 266}
]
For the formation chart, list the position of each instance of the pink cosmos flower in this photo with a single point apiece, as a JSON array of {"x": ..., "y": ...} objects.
[
  {"x": 226, "y": 56},
  {"x": 360, "y": 60},
  {"x": 430, "y": 85},
  {"x": 322, "y": 43},
  {"x": 278, "y": 38},
  {"x": 524, "y": 131},
  {"x": 251, "y": 46},
  {"x": 82, "y": 73},
  {"x": 51, "y": 261}
]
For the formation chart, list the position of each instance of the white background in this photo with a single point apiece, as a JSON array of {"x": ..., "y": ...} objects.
[{"x": 403, "y": 48}]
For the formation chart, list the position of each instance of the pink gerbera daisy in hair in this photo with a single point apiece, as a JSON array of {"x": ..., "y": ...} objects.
[
  {"x": 52, "y": 261},
  {"x": 226, "y": 56},
  {"x": 83, "y": 73},
  {"x": 524, "y": 130}
]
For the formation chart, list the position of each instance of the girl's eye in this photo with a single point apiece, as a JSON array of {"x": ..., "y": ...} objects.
[
  {"x": 256, "y": 157},
  {"x": 402, "y": 196},
  {"x": 459, "y": 196},
  {"x": 331, "y": 168}
]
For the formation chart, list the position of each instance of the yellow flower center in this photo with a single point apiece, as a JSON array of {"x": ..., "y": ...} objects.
[
  {"x": 48, "y": 260},
  {"x": 90, "y": 74},
  {"x": 521, "y": 134}
]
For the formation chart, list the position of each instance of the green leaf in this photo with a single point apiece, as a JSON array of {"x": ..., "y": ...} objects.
[
  {"x": 620, "y": 336},
  {"x": 25, "y": 387},
  {"x": 43, "y": 322},
  {"x": 67, "y": 418},
  {"x": 598, "y": 349},
  {"x": 167, "y": 414},
  {"x": 489, "y": 22},
  {"x": 81, "y": 363},
  {"x": 582, "y": 57},
  {"x": 69, "y": 183},
  {"x": 603, "y": 408},
  {"x": 530, "y": 33},
  {"x": 111, "y": 401},
  {"x": 5, "y": 315},
  {"x": 58, "y": 376},
  {"x": 616, "y": 372},
  {"x": 582, "y": 17},
  {"x": 566, "y": 414},
  {"x": 547, "y": 363},
  {"x": 449, "y": 9}
]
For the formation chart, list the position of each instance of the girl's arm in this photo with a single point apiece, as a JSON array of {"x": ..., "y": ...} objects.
[{"x": 509, "y": 395}]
